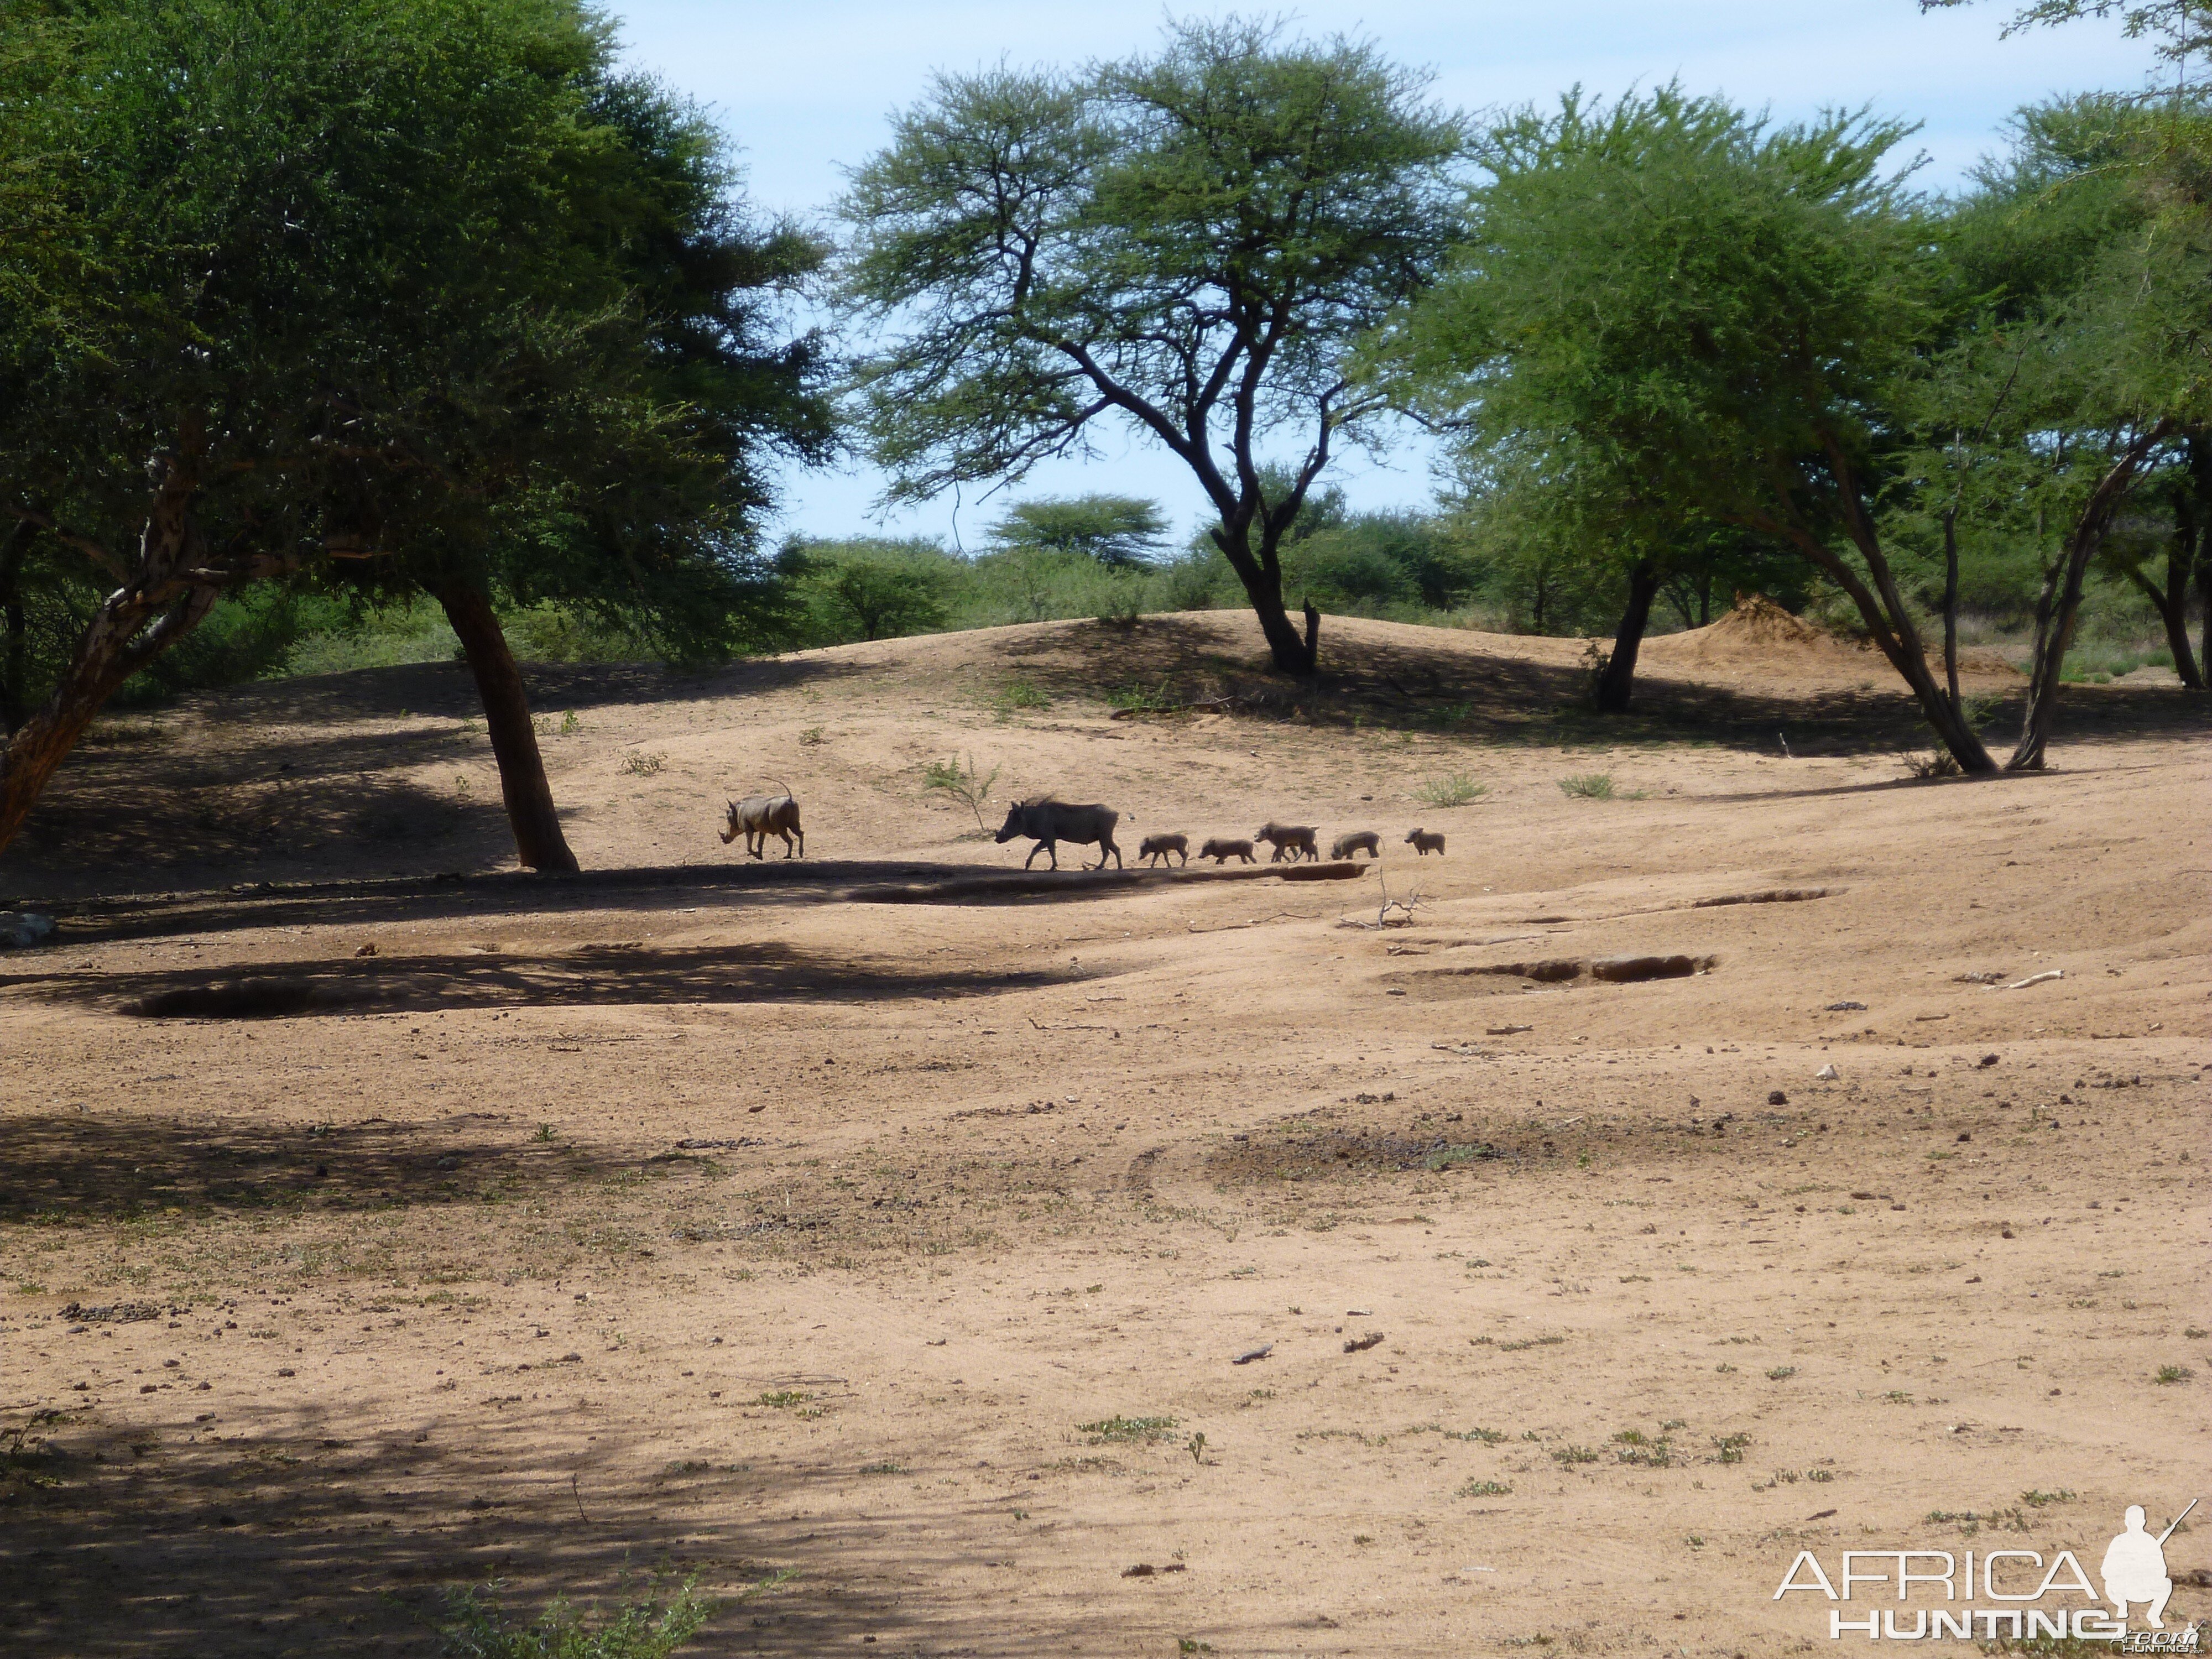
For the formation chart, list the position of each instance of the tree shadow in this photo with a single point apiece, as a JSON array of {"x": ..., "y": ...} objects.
[
  {"x": 252, "y": 1531},
  {"x": 593, "y": 976},
  {"x": 79, "y": 1167}
]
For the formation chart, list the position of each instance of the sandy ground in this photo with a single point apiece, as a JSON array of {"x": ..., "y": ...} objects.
[{"x": 876, "y": 1240}]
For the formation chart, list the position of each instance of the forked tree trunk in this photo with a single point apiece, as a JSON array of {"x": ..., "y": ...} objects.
[
  {"x": 2172, "y": 601},
  {"x": 2061, "y": 601},
  {"x": 1888, "y": 620},
  {"x": 539, "y": 841},
  {"x": 156, "y": 607},
  {"x": 1616, "y": 682}
]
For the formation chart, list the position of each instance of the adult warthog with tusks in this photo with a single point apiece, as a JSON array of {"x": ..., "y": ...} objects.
[
  {"x": 1048, "y": 822},
  {"x": 758, "y": 817}
]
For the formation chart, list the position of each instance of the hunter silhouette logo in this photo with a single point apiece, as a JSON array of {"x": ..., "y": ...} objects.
[
  {"x": 2133, "y": 1569},
  {"x": 2023, "y": 1598}
]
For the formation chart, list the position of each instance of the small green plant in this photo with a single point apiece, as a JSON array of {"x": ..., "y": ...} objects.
[
  {"x": 570, "y": 724},
  {"x": 885, "y": 1467},
  {"x": 1636, "y": 1448},
  {"x": 1781, "y": 1373},
  {"x": 544, "y": 1133},
  {"x": 1127, "y": 1430},
  {"x": 1141, "y": 700},
  {"x": 2036, "y": 1499},
  {"x": 640, "y": 764},
  {"x": 1452, "y": 789},
  {"x": 1017, "y": 694},
  {"x": 965, "y": 784},
  {"x": 783, "y": 1398},
  {"x": 2173, "y": 1374},
  {"x": 1730, "y": 1447},
  {"x": 1485, "y": 1489},
  {"x": 1898, "y": 1397},
  {"x": 1588, "y": 785},
  {"x": 28, "y": 1288},
  {"x": 1196, "y": 1448},
  {"x": 1723, "y": 1368},
  {"x": 1695, "y": 1541},
  {"x": 1363, "y": 1538},
  {"x": 1567, "y": 1456},
  {"x": 650, "y": 1627},
  {"x": 1192, "y": 1644},
  {"x": 1530, "y": 1342},
  {"x": 1488, "y": 1437},
  {"x": 812, "y": 737},
  {"x": 1822, "y": 1476}
]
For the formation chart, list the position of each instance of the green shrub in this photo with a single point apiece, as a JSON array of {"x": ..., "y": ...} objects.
[
  {"x": 1589, "y": 786},
  {"x": 651, "y": 1627},
  {"x": 1452, "y": 789}
]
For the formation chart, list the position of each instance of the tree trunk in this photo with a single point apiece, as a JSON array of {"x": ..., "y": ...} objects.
[
  {"x": 1616, "y": 682},
  {"x": 539, "y": 841},
  {"x": 1263, "y": 585},
  {"x": 1882, "y": 607},
  {"x": 14, "y": 646},
  {"x": 2061, "y": 601},
  {"x": 2172, "y": 603},
  {"x": 2192, "y": 540},
  {"x": 158, "y": 606},
  {"x": 1951, "y": 604}
]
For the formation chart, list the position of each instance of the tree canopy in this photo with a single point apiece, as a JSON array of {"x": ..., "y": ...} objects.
[
  {"x": 385, "y": 293},
  {"x": 1188, "y": 242}
]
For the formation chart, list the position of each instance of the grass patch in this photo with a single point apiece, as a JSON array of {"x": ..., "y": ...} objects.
[
  {"x": 1141, "y": 700},
  {"x": 1017, "y": 696},
  {"x": 1590, "y": 786},
  {"x": 1127, "y": 1430},
  {"x": 477, "y": 1626},
  {"x": 1452, "y": 789}
]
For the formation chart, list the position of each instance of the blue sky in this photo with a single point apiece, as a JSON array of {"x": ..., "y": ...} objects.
[{"x": 804, "y": 90}]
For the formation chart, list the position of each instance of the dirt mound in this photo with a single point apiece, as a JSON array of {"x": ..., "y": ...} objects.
[{"x": 1757, "y": 633}]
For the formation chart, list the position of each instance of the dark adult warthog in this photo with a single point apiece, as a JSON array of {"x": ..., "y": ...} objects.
[
  {"x": 758, "y": 817},
  {"x": 1048, "y": 822}
]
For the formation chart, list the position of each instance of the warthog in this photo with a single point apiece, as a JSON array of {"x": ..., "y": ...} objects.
[
  {"x": 1158, "y": 847},
  {"x": 1048, "y": 822},
  {"x": 1221, "y": 851},
  {"x": 1356, "y": 840},
  {"x": 758, "y": 817},
  {"x": 1295, "y": 839},
  {"x": 1426, "y": 842}
]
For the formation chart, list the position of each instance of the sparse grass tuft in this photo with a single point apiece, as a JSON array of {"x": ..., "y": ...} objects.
[
  {"x": 640, "y": 764},
  {"x": 1017, "y": 695},
  {"x": 1452, "y": 789},
  {"x": 651, "y": 1626},
  {"x": 1141, "y": 700},
  {"x": 1127, "y": 1430},
  {"x": 1781, "y": 1373},
  {"x": 2173, "y": 1374},
  {"x": 1936, "y": 763},
  {"x": 1588, "y": 785}
]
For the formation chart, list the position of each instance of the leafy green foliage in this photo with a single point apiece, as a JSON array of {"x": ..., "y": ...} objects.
[
  {"x": 477, "y": 1626},
  {"x": 1117, "y": 530},
  {"x": 1190, "y": 241}
]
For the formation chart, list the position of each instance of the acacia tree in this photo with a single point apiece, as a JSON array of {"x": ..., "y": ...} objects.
[
  {"x": 1119, "y": 531},
  {"x": 1190, "y": 242},
  {"x": 393, "y": 293},
  {"x": 1724, "y": 318}
]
